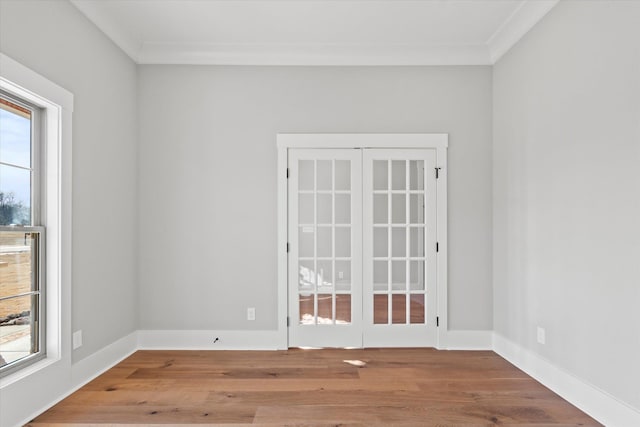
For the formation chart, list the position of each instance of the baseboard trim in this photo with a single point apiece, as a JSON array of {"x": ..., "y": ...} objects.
[
  {"x": 206, "y": 340},
  {"x": 91, "y": 367},
  {"x": 95, "y": 365},
  {"x": 595, "y": 402},
  {"x": 469, "y": 340}
]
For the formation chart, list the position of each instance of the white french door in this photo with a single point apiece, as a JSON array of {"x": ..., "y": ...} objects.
[
  {"x": 362, "y": 247},
  {"x": 325, "y": 248},
  {"x": 399, "y": 248}
]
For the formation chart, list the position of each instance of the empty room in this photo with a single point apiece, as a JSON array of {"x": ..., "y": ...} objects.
[{"x": 320, "y": 212}]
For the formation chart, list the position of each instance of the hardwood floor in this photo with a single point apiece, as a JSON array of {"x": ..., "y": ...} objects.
[{"x": 420, "y": 387}]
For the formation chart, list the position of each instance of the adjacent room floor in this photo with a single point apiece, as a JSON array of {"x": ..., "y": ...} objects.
[{"x": 367, "y": 387}]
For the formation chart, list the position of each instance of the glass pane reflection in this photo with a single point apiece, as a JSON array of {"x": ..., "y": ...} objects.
[
  {"x": 399, "y": 208},
  {"x": 325, "y": 309},
  {"x": 380, "y": 179},
  {"x": 343, "y": 309},
  {"x": 307, "y": 315},
  {"x": 325, "y": 274},
  {"x": 306, "y": 172},
  {"x": 325, "y": 208},
  {"x": 416, "y": 175},
  {"x": 343, "y": 175},
  {"x": 380, "y": 309},
  {"x": 305, "y": 208},
  {"x": 416, "y": 308},
  {"x": 399, "y": 309},
  {"x": 324, "y": 242},
  {"x": 324, "y": 175},
  {"x": 306, "y": 276},
  {"x": 398, "y": 177},
  {"x": 343, "y": 209},
  {"x": 343, "y": 276}
]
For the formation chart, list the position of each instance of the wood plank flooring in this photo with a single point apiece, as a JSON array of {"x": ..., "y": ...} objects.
[{"x": 396, "y": 387}]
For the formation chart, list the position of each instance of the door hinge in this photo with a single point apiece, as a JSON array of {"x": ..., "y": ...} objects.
[
  {"x": 437, "y": 321},
  {"x": 287, "y": 173},
  {"x": 437, "y": 247},
  {"x": 438, "y": 173},
  {"x": 287, "y": 247},
  {"x": 287, "y": 321}
]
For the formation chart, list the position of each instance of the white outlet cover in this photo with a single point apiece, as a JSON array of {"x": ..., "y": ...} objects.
[
  {"x": 251, "y": 313},
  {"x": 541, "y": 335},
  {"x": 77, "y": 339}
]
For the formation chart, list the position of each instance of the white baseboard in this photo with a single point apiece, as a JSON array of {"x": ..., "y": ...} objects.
[
  {"x": 89, "y": 368},
  {"x": 99, "y": 362},
  {"x": 469, "y": 340},
  {"x": 206, "y": 340},
  {"x": 595, "y": 402}
]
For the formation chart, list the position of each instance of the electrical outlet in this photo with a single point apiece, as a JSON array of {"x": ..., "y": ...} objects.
[
  {"x": 77, "y": 339},
  {"x": 542, "y": 339},
  {"x": 251, "y": 313},
  {"x": 340, "y": 275}
]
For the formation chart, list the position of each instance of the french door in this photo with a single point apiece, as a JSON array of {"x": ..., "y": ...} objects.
[
  {"x": 362, "y": 249},
  {"x": 325, "y": 238}
]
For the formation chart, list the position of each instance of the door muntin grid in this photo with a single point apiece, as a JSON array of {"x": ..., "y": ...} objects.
[
  {"x": 325, "y": 233},
  {"x": 398, "y": 241}
]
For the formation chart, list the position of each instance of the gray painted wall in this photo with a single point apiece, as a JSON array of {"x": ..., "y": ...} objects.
[
  {"x": 208, "y": 178},
  {"x": 567, "y": 193},
  {"x": 54, "y": 39}
]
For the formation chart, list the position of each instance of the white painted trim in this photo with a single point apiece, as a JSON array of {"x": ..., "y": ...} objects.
[
  {"x": 469, "y": 340},
  {"x": 99, "y": 362},
  {"x": 87, "y": 369},
  {"x": 281, "y": 251},
  {"x": 439, "y": 141},
  {"x": 30, "y": 83},
  {"x": 362, "y": 140},
  {"x": 442, "y": 239},
  {"x": 110, "y": 27},
  {"x": 595, "y": 402},
  {"x": 204, "y": 340},
  {"x": 319, "y": 54},
  {"x": 517, "y": 25},
  {"x": 313, "y": 54}
]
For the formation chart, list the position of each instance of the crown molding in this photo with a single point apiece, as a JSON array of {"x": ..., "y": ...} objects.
[
  {"x": 122, "y": 38},
  {"x": 313, "y": 54},
  {"x": 517, "y": 25},
  {"x": 141, "y": 52}
]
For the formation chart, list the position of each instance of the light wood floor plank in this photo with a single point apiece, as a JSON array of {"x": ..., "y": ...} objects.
[{"x": 395, "y": 387}]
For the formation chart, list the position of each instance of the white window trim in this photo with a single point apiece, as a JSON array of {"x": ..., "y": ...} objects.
[
  {"x": 57, "y": 109},
  {"x": 439, "y": 142}
]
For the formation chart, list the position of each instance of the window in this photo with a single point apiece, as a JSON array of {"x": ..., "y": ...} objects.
[{"x": 21, "y": 236}]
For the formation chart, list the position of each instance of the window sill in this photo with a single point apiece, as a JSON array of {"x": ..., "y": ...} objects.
[{"x": 27, "y": 371}]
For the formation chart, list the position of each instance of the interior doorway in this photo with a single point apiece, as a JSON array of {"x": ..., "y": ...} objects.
[{"x": 365, "y": 240}]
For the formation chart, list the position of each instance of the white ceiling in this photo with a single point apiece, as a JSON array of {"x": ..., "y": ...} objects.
[{"x": 315, "y": 32}]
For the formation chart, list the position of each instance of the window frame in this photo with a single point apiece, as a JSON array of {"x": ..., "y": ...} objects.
[
  {"x": 56, "y": 106},
  {"x": 38, "y": 273}
]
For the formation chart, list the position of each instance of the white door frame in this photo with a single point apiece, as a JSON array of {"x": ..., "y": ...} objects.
[{"x": 439, "y": 142}]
